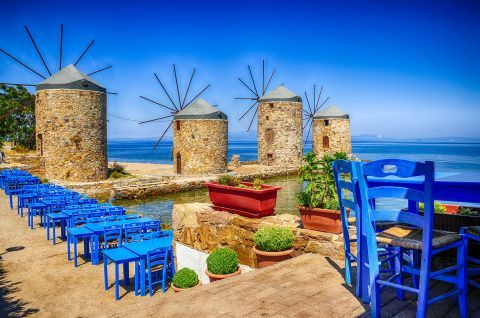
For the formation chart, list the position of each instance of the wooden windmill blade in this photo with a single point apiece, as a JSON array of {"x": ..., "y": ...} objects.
[
  {"x": 177, "y": 104},
  {"x": 309, "y": 109},
  {"x": 254, "y": 94}
]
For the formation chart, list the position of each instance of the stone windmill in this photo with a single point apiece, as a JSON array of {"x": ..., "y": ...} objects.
[
  {"x": 200, "y": 131},
  {"x": 329, "y": 125},
  {"x": 70, "y": 119}
]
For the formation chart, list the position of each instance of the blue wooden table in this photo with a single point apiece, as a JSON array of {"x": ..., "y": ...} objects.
[
  {"x": 98, "y": 228},
  {"x": 141, "y": 249},
  {"x": 448, "y": 186}
]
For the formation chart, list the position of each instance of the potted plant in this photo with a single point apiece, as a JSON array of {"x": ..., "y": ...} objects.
[
  {"x": 222, "y": 263},
  {"x": 318, "y": 203},
  {"x": 273, "y": 245},
  {"x": 244, "y": 198},
  {"x": 184, "y": 279},
  {"x": 444, "y": 221}
]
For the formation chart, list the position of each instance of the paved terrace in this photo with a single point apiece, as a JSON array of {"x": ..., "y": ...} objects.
[{"x": 37, "y": 280}]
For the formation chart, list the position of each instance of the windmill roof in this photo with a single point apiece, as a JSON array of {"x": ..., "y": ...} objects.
[
  {"x": 280, "y": 94},
  {"x": 200, "y": 109},
  {"x": 331, "y": 111},
  {"x": 70, "y": 77}
]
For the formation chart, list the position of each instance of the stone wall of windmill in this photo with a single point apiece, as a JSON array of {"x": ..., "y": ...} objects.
[
  {"x": 200, "y": 140},
  {"x": 280, "y": 130},
  {"x": 331, "y": 132},
  {"x": 71, "y": 128}
]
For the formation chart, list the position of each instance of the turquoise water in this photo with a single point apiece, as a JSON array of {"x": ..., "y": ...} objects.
[{"x": 451, "y": 157}]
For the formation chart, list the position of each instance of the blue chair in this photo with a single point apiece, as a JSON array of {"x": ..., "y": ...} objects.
[
  {"x": 417, "y": 234},
  {"x": 145, "y": 236},
  {"x": 472, "y": 233},
  {"x": 151, "y": 226},
  {"x": 112, "y": 236},
  {"x": 132, "y": 229},
  {"x": 157, "y": 268},
  {"x": 97, "y": 219},
  {"x": 346, "y": 182},
  {"x": 120, "y": 256},
  {"x": 113, "y": 218},
  {"x": 131, "y": 217}
]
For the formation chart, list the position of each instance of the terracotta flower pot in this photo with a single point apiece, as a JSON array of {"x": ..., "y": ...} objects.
[
  {"x": 265, "y": 259},
  {"x": 177, "y": 289},
  {"x": 451, "y": 209},
  {"x": 215, "y": 277},
  {"x": 243, "y": 201},
  {"x": 321, "y": 219}
]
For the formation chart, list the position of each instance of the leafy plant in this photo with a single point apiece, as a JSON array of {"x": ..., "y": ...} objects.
[
  {"x": 17, "y": 110},
  {"x": 166, "y": 226},
  {"x": 257, "y": 184},
  {"x": 222, "y": 261},
  {"x": 466, "y": 211},
  {"x": 185, "y": 278},
  {"x": 437, "y": 207},
  {"x": 117, "y": 171},
  {"x": 320, "y": 190},
  {"x": 274, "y": 239},
  {"x": 228, "y": 180}
]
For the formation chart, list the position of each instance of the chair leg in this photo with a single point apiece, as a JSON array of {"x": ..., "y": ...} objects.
[
  {"x": 105, "y": 273},
  {"x": 462, "y": 255},
  {"x": 68, "y": 247},
  {"x": 54, "y": 224},
  {"x": 423, "y": 286},
  {"x": 117, "y": 291},
  {"x": 75, "y": 244},
  {"x": 398, "y": 270},
  {"x": 150, "y": 289}
]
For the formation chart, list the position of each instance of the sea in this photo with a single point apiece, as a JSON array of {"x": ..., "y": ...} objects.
[{"x": 448, "y": 157}]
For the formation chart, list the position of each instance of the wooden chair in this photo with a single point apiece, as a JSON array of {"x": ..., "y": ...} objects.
[
  {"x": 416, "y": 234},
  {"x": 472, "y": 233}
]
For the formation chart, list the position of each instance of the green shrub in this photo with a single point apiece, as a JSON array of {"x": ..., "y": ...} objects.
[
  {"x": 437, "y": 207},
  {"x": 185, "y": 278},
  {"x": 465, "y": 211},
  {"x": 166, "y": 226},
  {"x": 274, "y": 239},
  {"x": 222, "y": 261},
  {"x": 117, "y": 171},
  {"x": 257, "y": 184},
  {"x": 229, "y": 181}
]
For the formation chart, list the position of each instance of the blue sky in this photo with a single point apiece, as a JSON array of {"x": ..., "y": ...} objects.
[{"x": 401, "y": 69}]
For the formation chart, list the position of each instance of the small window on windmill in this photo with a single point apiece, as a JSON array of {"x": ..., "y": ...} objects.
[
  {"x": 267, "y": 117},
  {"x": 326, "y": 122},
  {"x": 84, "y": 83},
  {"x": 271, "y": 105},
  {"x": 269, "y": 135},
  {"x": 178, "y": 125}
]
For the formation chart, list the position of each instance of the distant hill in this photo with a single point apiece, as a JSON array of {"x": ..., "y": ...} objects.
[{"x": 379, "y": 138}]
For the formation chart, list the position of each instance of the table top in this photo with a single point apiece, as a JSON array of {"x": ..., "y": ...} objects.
[
  {"x": 99, "y": 227},
  {"x": 142, "y": 248}
]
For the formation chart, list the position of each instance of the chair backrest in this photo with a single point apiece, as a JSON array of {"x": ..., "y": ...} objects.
[
  {"x": 145, "y": 236},
  {"x": 112, "y": 232},
  {"x": 151, "y": 226},
  {"x": 370, "y": 191},
  {"x": 132, "y": 229},
  {"x": 96, "y": 213},
  {"x": 114, "y": 218},
  {"x": 158, "y": 256},
  {"x": 116, "y": 210},
  {"x": 131, "y": 216},
  {"x": 78, "y": 218},
  {"x": 95, "y": 220}
]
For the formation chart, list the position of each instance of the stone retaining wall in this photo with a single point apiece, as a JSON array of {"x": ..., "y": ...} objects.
[{"x": 199, "y": 226}]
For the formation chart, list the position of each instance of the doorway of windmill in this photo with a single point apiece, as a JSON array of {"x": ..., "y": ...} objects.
[{"x": 179, "y": 163}]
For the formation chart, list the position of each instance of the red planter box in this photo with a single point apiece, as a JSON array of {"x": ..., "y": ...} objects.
[{"x": 245, "y": 202}]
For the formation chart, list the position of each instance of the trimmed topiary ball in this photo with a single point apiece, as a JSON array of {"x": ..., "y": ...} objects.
[
  {"x": 274, "y": 239},
  {"x": 185, "y": 278},
  {"x": 222, "y": 261}
]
